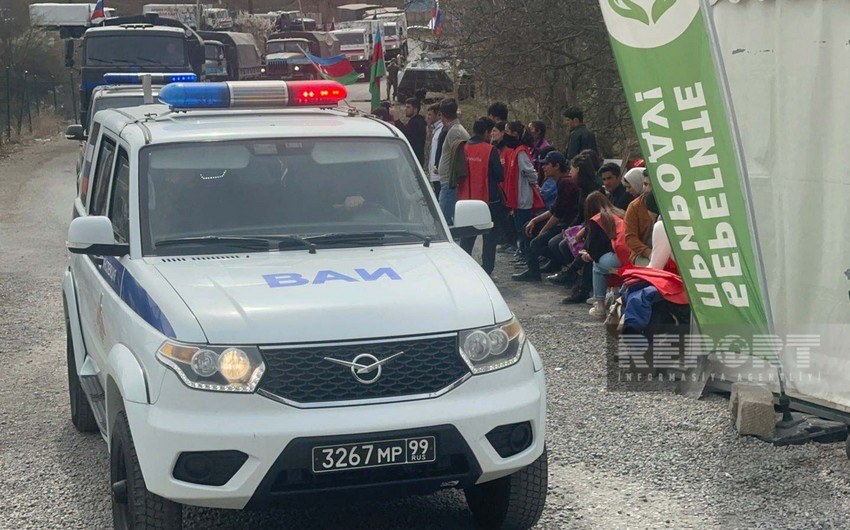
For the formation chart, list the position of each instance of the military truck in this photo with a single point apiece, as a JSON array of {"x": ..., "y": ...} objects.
[
  {"x": 285, "y": 60},
  {"x": 144, "y": 43},
  {"x": 231, "y": 56}
]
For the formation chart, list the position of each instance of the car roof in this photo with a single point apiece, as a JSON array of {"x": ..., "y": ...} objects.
[
  {"x": 98, "y": 30},
  {"x": 154, "y": 124},
  {"x": 105, "y": 91}
]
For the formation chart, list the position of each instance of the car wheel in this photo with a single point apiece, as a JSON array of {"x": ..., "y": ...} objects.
[
  {"x": 514, "y": 502},
  {"x": 133, "y": 506},
  {"x": 81, "y": 413}
]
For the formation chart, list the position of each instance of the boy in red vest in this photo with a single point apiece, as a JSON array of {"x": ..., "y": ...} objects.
[{"x": 484, "y": 173}]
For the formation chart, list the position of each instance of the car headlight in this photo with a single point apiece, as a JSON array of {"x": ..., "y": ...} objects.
[
  {"x": 492, "y": 348},
  {"x": 221, "y": 369}
]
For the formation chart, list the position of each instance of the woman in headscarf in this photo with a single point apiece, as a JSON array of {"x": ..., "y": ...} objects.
[
  {"x": 633, "y": 181},
  {"x": 639, "y": 223}
]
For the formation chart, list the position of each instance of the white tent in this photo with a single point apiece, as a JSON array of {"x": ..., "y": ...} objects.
[{"x": 788, "y": 66}]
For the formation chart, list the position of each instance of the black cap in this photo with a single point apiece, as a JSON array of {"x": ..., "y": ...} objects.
[{"x": 554, "y": 157}]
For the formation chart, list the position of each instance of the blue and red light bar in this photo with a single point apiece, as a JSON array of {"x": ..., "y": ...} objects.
[
  {"x": 253, "y": 94},
  {"x": 157, "y": 78}
]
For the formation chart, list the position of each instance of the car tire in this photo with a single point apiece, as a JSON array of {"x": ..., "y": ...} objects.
[
  {"x": 514, "y": 502},
  {"x": 133, "y": 506},
  {"x": 82, "y": 415}
]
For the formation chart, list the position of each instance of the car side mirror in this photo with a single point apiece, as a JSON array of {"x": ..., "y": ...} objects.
[
  {"x": 472, "y": 218},
  {"x": 76, "y": 132},
  {"x": 93, "y": 235}
]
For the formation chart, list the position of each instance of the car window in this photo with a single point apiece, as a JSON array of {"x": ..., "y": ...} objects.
[
  {"x": 304, "y": 187},
  {"x": 119, "y": 203},
  {"x": 88, "y": 156},
  {"x": 102, "y": 172}
]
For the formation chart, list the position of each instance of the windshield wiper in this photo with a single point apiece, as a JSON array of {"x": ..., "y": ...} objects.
[
  {"x": 350, "y": 237},
  {"x": 246, "y": 242},
  {"x": 146, "y": 59},
  {"x": 284, "y": 239},
  {"x": 110, "y": 61}
]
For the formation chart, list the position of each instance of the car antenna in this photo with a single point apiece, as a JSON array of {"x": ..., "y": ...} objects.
[{"x": 147, "y": 89}]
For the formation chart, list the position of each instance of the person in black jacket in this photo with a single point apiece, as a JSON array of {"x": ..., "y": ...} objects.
[
  {"x": 580, "y": 136},
  {"x": 416, "y": 129},
  {"x": 613, "y": 183}
]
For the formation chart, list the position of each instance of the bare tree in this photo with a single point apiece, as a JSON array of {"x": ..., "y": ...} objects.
[{"x": 547, "y": 55}]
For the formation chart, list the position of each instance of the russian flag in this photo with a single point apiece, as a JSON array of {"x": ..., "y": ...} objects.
[
  {"x": 438, "y": 19},
  {"x": 337, "y": 68},
  {"x": 98, "y": 14}
]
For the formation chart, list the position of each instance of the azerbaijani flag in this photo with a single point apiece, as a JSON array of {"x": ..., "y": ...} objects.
[
  {"x": 337, "y": 68},
  {"x": 379, "y": 68},
  {"x": 98, "y": 14},
  {"x": 438, "y": 19}
]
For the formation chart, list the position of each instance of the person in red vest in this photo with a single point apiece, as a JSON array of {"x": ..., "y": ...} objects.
[
  {"x": 522, "y": 195},
  {"x": 605, "y": 245},
  {"x": 484, "y": 174}
]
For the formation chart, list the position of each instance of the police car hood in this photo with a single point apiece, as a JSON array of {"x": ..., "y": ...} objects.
[{"x": 335, "y": 294}]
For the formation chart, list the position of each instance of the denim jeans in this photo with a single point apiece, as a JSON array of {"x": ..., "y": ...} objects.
[
  {"x": 447, "y": 200},
  {"x": 601, "y": 269}
]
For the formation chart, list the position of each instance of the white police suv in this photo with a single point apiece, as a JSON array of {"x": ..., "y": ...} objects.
[{"x": 263, "y": 302}]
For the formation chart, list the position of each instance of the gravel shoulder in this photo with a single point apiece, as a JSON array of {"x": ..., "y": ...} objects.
[{"x": 617, "y": 459}]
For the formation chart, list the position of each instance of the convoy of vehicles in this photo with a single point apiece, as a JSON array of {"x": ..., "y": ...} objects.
[
  {"x": 211, "y": 18},
  {"x": 239, "y": 320}
]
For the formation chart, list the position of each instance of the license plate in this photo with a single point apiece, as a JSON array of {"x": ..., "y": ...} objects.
[{"x": 374, "y": 454}]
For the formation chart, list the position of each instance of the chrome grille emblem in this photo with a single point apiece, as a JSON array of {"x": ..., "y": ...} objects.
[{"x": 366, "y": 368}]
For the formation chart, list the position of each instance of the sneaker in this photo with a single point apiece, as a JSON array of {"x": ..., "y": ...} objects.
[
  {"x": 598, "y": 310},
  {"x": 610, "y": 296},
  {"x": 526, "y": 276},
  {"x": 591, "y": 301}
]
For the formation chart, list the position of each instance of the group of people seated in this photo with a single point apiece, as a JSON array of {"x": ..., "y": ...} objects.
[{"x": 591, "y": 229}]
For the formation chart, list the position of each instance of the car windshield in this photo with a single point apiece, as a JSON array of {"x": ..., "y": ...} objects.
[
  {"x": 212, "y": 52},
  {"x": 286, "y": 47},
  {"x": 351, "y": 39},
  {"x": 135, "y": 49},
  {"x": 331, "y": 192}
]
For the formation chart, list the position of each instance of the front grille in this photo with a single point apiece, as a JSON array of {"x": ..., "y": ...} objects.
[{"x": 302, "y": 374}]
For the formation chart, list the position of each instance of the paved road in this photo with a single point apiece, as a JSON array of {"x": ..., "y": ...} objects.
[{"x": 617, "y": 459}]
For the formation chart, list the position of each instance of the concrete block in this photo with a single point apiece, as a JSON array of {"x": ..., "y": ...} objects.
[{"x": 752, "y": 410}]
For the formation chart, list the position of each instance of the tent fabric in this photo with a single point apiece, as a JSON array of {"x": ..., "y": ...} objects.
[{"x": 786, "y": 62}]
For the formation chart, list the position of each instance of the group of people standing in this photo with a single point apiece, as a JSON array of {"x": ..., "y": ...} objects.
[{"x": 563, "y": 214}]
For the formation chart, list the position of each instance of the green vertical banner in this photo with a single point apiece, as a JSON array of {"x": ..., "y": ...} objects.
[{"x": 674, "y": 86}]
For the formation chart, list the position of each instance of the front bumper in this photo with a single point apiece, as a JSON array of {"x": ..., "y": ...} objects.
[{"x": 186, "y": 420}]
